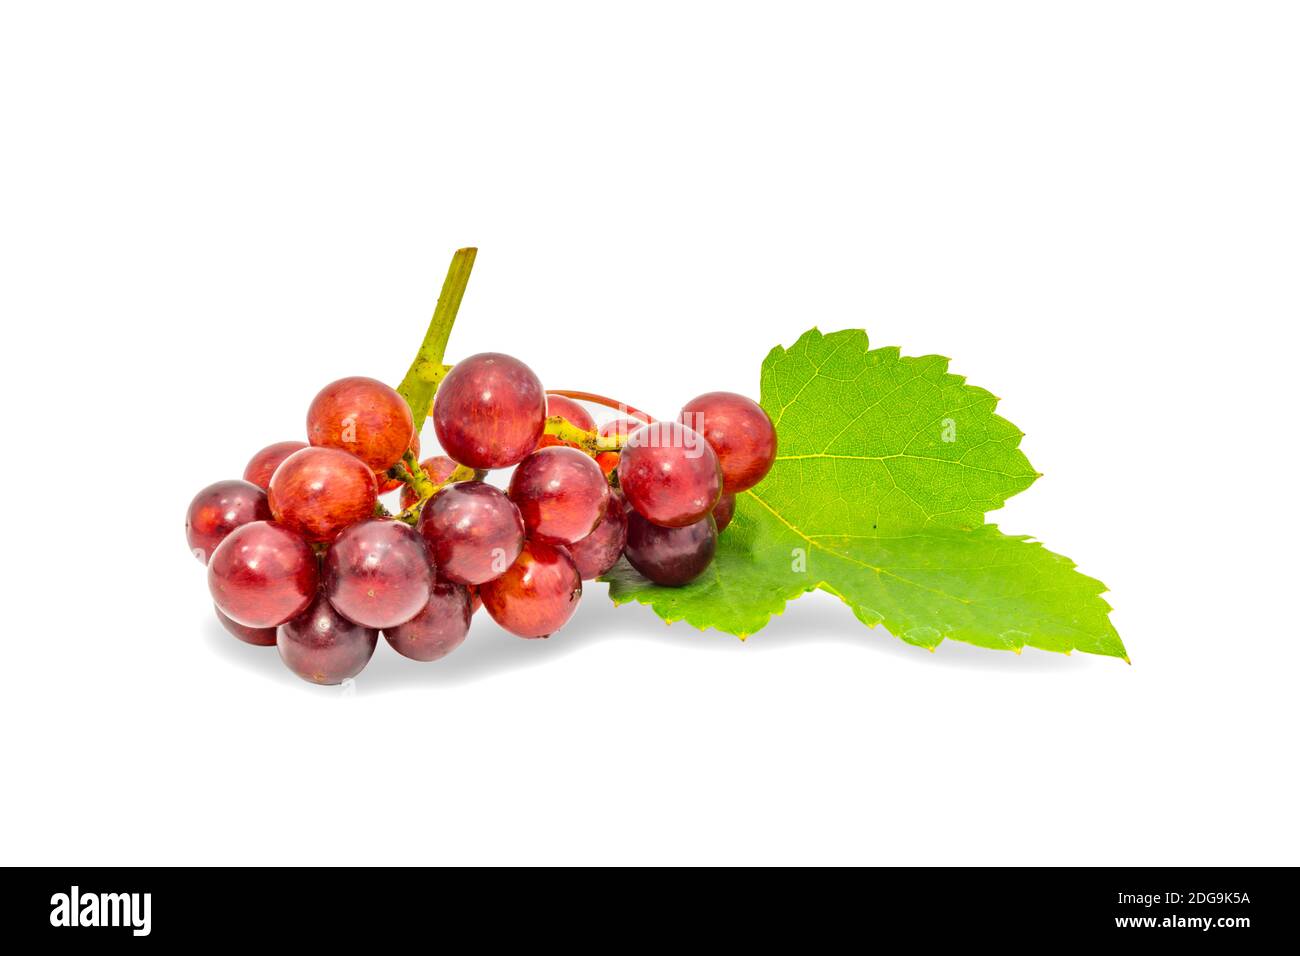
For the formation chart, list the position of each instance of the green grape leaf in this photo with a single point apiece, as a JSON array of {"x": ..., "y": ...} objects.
[{"x": 885, "y": 467}]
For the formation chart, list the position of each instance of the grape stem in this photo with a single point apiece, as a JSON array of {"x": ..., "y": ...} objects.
[
  {"x": 607, "y": 402},
  {"x": 428, "y": 370},
  {"x": 409, "y": 471},
  {"x": 592, "y": 442}
]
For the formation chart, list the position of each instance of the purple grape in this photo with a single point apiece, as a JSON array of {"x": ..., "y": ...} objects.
[{"x": 670, "y": 556}]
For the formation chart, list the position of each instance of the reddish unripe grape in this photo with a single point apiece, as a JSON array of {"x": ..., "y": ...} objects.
[
  {"x": 473, "y": 531},
  {"x": 669, "y": 474},
  {"x": 724, "y": 511},
  {"x": 438, "y": 470},
  {"x": 438, "y": 629},
  {"x": 670, "y": 556},
  {"x": 490, "y": 411},
  {"x": 538, "y": 594},
  {"x": 219, "y": 509},
  {"x": 263, "y": 574},
  {"x": 607, "y": 461},
  {"x": 320, "y": 491},
  {"x": 570, "y": 411},
  {"x": 573, "y": 413},
  {"x": 323, "y": 646},
  {"x": 261, "y": 636},
  {"x": 377, "y": 573},
  {"x": 599, "y": 551},
  {"x": 739, "y": 431},
  {"x": 387, "y": 484},
  {"x": 363, "y": 417},
  {"x": 262, "y": 466},
  {"x": 551, "y": 441},
  {"x": 619, "y": 427},
  {"x": 560, "y": 493}
]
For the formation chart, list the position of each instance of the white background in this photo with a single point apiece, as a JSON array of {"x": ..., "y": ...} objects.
[{"x": 210, "y": 212}]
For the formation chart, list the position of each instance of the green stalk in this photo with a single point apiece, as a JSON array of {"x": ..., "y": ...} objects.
[{"x": 427, "y": 371}]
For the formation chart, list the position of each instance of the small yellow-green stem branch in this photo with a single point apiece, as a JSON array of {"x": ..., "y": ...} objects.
[
  {"x": 409, "y": 471},
  {"x": 592, "y": 442}
]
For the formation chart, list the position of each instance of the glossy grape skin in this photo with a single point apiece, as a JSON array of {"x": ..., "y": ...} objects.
[
  {"x": 619, "y": 427},
  {"x": 573, "y": 413},
  {"x": 258, "y": 636},
  {"x": 263, "y": 574},
  {"x": 615, "y": 428},
  {"x": 438, "y": 629},
  {"x": 739, "y": 431},
  {"x": 378, "y": 573},
  {"x": 665, "y": 480},
  {"x": 490, "y": 411},
  {"x": 437, "y": 469},
  {"x": 670, "y": 556},
  {"x": 364, "y": 417},
  {"x": 387, "y": 484},
  {"x": 724, "y": 511},
  {"x": 599, "y": 551},
  {"x": 324, "y": 647},
  {"x": 320, "y": 491},
  {"x": 561, "y": 494},
  {"x": 570, "y": 411},
  {"x": 607, "y": 462},
  {"x": 473, "y": 531},
  {"x": 262, "y": 466},
  {"x": 537, "y": 595},
  {"x": 219, "y": 509}
]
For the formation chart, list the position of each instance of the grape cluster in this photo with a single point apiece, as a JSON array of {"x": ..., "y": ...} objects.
[{"x": 302, "y": 554}]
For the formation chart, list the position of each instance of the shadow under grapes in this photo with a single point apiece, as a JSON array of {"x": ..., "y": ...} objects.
[{"x": 489, "y": 651}]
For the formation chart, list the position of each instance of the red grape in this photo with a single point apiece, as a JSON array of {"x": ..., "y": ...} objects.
[
  {"x": 362, "y": 416},
  {"x": 599, "y": 551},
  {"x": 438, "y": 629},
  {"x": 670, "y": 556},
  {"x": 669, "y": 474},
  {"x": 619, "y": 427},
  {"x": 615, "y": 428},
  {"x": 320, "y": 491},
  {"x": 489, "y": 411},
  {"x": 570, "y": 411},
  {"x": 739, "y": 431},
  {"x": 262, "y": 466},
  {"x": 323, "y": 646},
  {"x": 537, "y": 595},
  {"x": 724, "y": 511},
  {"x": 262, "y": 575},
  {"x": 387, "y": 484},
  {"x": 473, "y": 531},
  {"x": 607, "y": 461},
  {"x": 377, "y": 573},
  {"x": 261, "y": 636},
  {"x": 561, "y": 494},
  {"x": 219, "y": 509}
]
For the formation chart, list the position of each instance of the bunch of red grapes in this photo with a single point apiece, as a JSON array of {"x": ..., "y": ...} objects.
[{"x": 301, "y": 554}]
